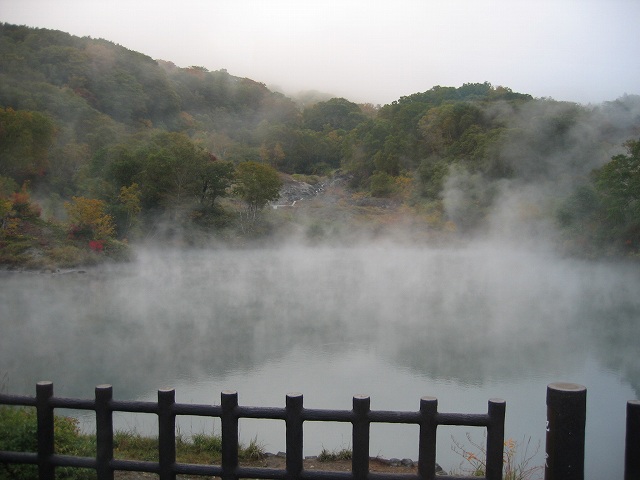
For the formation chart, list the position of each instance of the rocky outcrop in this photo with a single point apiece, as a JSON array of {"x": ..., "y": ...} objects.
[{"x": 294, "y": 191}]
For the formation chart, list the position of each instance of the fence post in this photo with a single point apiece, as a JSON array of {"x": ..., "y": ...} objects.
[
  {"x": 229, "y": 420},
  {"x": 427, "y": 439},
  {"x": 294, "y": 435},
  {"x": 104, "y": 432},
  {"x": 632, "y": 443},
  {"x": 495, "y": 438},
  {"x": 44, "y": 391},
  {"x": 166, "y": 433},
  {"x": 566, "y": 418},
  {"x": 360, "y": 435}
]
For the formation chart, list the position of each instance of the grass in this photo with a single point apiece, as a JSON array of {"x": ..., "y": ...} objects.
[
  {"x": 18, "y": 434},
  {"x": 334, "y": 455},
  {"x": 199, "y": 448}
]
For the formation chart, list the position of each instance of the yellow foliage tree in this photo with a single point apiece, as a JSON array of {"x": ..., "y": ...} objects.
[
  {"x": 87, "y": 216},
  {"x": 6, "y": 207},
  {"x": 130, "y": 197}
]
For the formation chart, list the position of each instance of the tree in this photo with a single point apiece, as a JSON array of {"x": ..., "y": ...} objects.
[
  {"x": 22, "y": 205},
  {"x": 87, "y": 217},
  {"x": 618, "y": 183},
  {"x": 129, "y": 197},
  {"x": 337, "y": 113},
  {"x": 216, "y": 177},
  {"x": 431, "y": 175},
  {"x": 25, "y": 138},
  {"x": 173, "y": 165},
  {"x": 7, "y": 186},
  {"x": 256, "y": 184},
  {"x": 5, "y": 211},
  {"x": 603, "y": 216},
  {"x": 382, "y": 184},
  {"x": 15, "y": 206},
  {"x": 278, "y": 154},
  {"x": 166, "y": 166}
]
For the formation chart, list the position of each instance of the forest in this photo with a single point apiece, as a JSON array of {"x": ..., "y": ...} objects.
[{"x": 101, "y": 146}]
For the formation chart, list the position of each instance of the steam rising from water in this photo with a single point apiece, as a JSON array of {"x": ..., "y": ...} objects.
[
  {"x": 549, "y": 147},
  {"x": 329, "y": 322},
  {"x": 217, "y": 311}
]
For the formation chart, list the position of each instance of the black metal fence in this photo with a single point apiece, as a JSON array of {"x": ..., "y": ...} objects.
[{"x": 564, "y": 452}]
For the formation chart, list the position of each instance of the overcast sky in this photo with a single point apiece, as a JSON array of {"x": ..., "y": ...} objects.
[{"x": 586, "y": 51}]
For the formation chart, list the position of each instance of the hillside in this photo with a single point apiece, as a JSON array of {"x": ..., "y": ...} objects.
[{"x": 161, "y": 149}]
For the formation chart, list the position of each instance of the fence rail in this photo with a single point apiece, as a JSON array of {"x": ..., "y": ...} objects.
[{"x": 564, "y": 452}]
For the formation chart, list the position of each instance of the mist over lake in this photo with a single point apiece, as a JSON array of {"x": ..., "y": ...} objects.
[{"x": 396, "y": 323}]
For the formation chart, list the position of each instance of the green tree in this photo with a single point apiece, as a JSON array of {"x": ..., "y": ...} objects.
[
  {"x": 25, "y": 138},
  {"x": 334, "y": 114},
  {"x": 168, "y": 168},
  {"x": 256, "y": 184},
  {"x": 129, "y": 198},
  {"x": 618, "y": 183},
  {"x": 360, "y": 147},
  {"x": 603, "y": 215},
  {"x": 7, "y": 186},
  {"x": 431, "y": 175},
  {"x": 216, "y": 178},
  {"x": 443, "y": 126},
  {"x": 382, "y": 184}
]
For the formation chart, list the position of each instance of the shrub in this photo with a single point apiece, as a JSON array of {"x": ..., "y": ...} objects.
[{"x": 18, "y": 433}]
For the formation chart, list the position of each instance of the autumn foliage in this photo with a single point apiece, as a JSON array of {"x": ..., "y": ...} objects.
[
  {"x": 14, "y": 208},
  {"x": 88, "y": 218},
  {"x": 22, "y": 205}
]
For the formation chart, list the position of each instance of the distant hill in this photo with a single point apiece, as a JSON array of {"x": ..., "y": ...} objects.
[{"x": 85, "y": 117}]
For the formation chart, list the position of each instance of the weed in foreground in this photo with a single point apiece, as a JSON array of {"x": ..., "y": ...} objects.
[{"x": 516, "y": 459}]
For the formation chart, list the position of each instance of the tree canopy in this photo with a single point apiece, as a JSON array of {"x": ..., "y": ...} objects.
[
  {"x": 256, "y": 184},
  {"x": 87, "y": 118}
]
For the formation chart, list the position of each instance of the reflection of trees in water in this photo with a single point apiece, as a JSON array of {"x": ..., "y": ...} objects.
[
  {"x": 615, "y": 337},
  {"x": 475, "y": 357},
  {"x": 467, "y": 318},
  {"x": 606, "y": 325}
]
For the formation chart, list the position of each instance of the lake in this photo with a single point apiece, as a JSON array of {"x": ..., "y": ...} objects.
[{"x": 392, "y": 322}]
